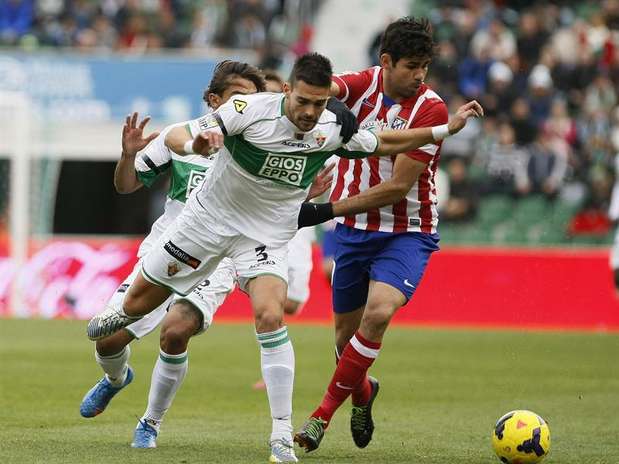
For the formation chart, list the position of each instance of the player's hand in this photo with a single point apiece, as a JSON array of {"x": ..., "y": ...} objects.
[
  {"x": 132, "y": 139},
  {"x": 470, "y": 110},
  {"x": 208, "y": 142},
  {"x": 344, "y": 118},
  {"x": 322, "y": 182}
]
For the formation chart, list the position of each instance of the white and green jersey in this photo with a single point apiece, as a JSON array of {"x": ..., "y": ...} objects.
[
  {"x": 263, "y": 173},
  {"x": 186, "y": 173}
]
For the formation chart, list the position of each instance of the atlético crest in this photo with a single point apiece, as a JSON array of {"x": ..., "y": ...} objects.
[
  {"x": 399, "y": 123},
  {"x": 320, "y": 139},
  {"x": 173, "y": 268}
]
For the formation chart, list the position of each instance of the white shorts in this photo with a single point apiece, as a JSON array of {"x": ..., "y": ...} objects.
[
  {"x": 187, "y": 253},
  {"x": 206, "y": 297},
  {"x": 614, "y": 252},
  {"x": 300, "y": 265}
]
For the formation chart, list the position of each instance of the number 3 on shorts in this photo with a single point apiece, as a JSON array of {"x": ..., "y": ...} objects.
[{"x": 261, "y": 255}]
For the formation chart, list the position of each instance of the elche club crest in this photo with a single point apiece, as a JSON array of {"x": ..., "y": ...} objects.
[
  {"x": 173, "y": 268},
  {"x": 320, "y": 139}
]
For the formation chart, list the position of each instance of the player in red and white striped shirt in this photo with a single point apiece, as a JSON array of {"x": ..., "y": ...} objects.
[{"x": 387, "y": 219}]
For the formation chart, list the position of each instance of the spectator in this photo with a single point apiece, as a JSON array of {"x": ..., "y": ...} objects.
[
  {"x": 524, "y": 128},
  {"x": 505, "y": 164},
  {"x": 496, "y": 41},
  {"x": 16, "y": 18},
  {"x": 473, "y": 74},
  {"x": 461, "y": 205},
  {"x": 561, "y": 129},
  {"x": 540, "y": 93},
  {"x": 531, "y": 39},
  {"x": 463, "y": 143},
  {"x": 249, "y": 32},
  {"x": 600, "y": 95},
  {"x": 134, "y": 36},
  {"x": 500, "y": 95},
  {"x": 546, "y": 168}
]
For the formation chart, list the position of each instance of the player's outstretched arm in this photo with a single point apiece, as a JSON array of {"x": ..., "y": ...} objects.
[
  {"x": 125, "y": 179},
  {"x": 176, "y": 140},
  {"x": 400, "y": 141}
]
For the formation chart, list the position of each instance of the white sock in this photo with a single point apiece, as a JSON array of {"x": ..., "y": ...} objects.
[
  {"x": 277, "y": 361},
  {"x": 115, "y": 366},
  {"x": 168, "y": 374}
]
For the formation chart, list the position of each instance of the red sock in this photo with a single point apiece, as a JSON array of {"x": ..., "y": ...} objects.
[
  {"x": 350, "y": 373},
  {"x": 360, "y": 395}
]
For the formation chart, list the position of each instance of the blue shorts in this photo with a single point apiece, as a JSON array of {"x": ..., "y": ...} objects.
[
  {"x": 328, "y": 244},
  {"x": 398, "y": 260}
]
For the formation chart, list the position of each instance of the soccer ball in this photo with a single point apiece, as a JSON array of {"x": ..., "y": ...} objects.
[{"x": 521, "y": 437}]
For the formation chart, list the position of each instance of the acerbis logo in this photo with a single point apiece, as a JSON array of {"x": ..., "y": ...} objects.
[
  {"x": 284, "y": 168},
  {"x": 194, "y": 180},
  {"x": 292, "y": 143}
]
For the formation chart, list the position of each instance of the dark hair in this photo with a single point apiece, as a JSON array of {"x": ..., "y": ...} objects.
[
  {"x": 270, "y": 75},
  {"x": 408, "y": 37},
  {"x": 313, "y": 69},
  {"x": 226, "y": 70}
]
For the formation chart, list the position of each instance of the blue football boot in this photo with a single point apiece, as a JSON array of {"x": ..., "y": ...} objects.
[
  {"x": 98, "y": 397},
  {"x": 145, "y": 435}
]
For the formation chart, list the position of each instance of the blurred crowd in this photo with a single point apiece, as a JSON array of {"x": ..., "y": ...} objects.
[
  {"x": 547, "y": 74},
  {"x": 273, "y": 28}
]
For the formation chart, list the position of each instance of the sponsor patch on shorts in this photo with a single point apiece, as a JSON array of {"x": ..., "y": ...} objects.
[{"x": 182, "y": 255}]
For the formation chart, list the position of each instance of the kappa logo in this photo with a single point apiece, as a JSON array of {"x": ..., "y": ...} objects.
[
  {"x": 239, "y": 105},
  {"x": 173, "y": 268},
  {"x": 194, "y": 180},
  {"x": 399, "y": 123},
  {"x": 287, "y": 169}
]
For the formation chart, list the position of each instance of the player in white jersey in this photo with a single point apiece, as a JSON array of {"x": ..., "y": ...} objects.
[
  {"x": 270, "y": 147},
  {"x": 144, "y": 160}
]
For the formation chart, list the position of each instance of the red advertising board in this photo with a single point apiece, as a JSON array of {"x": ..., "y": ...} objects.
[{"x": 532, "y": 288}]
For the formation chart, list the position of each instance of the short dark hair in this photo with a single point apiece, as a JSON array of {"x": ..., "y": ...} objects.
[
  {"x": 408, "y": 37},
  {"x": 226, "y": 70},
  {"x": 313, "y": 69}
]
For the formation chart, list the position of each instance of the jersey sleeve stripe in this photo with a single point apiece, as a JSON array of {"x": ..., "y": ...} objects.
[
  {"x": 221, "y": 124},
  {"x": 153, "y": 167},
  {"x": 344, "y": 92}
]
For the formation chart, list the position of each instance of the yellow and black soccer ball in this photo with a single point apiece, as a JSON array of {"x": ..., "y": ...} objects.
[{"x": 521, "y": 437}]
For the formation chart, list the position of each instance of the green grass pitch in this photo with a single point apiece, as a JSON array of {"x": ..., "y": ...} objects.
[{"x": 441, "y": 392}]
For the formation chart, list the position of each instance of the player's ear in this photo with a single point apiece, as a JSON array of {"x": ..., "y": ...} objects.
[
  {"x": 386, "y": 61},
  {"x": 214, "y": 101},
  {"x": 287, "y": 88}
]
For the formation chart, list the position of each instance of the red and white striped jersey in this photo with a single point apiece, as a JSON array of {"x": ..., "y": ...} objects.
[{"x": 363, "y": 93}]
